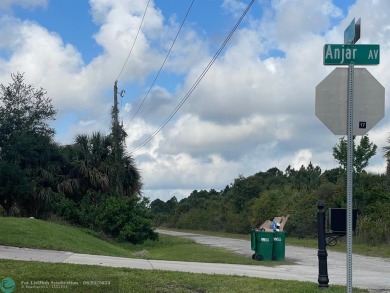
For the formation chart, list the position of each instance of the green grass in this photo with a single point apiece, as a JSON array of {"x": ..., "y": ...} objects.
[
  {"x": 144, "y": 281},
  {"x": 357, "y": 248},
  {"x": 377, "y": 251},
  {"x": 181, "y": 249},
  {"x": 33, "y": 233}
]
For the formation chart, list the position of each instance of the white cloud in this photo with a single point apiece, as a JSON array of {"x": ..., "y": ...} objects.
[
  {"x": 328, "y": 8},
  {"x": 198, "y": 137},
  {"x": 303, "y": 157},
  {"x": 252, "y": 111},
  {"x": 211, "y": 170},
  {"x": 295, "y": 19},
  {"x": 233, "y": 6},
  {"x": 7, "y": 4}
]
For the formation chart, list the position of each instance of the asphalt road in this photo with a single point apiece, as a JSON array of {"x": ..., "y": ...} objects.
[{"x": 368, "y": 272}]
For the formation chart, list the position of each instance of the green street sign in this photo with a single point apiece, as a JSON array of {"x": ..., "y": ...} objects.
[{"x": 336, "y": 54}]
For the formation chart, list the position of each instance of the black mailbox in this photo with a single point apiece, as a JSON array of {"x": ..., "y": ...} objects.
[{"x": 337, "y": 219}]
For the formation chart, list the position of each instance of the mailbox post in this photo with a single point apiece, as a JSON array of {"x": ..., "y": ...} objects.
[
  {"x": 337, "y": 229},
  {"x": 323, "y": 278}
]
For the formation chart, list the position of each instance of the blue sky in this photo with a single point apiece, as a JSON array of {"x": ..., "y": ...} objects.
[
  {"x": 72, "y": 20},
  {"x": 253, "y": 110}
]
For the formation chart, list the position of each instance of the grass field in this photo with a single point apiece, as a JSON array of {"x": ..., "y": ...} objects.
[
  {"x": 35, "y": 233},
  {"x": 47, "y": 277},
  {"x": 103, "y": 279}
]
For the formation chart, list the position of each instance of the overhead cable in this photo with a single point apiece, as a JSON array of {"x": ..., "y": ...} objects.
[
  {"x": 166, "y": 57},
  {"x": 187, "y": 95},
  {"x": 136, "y": 36}
]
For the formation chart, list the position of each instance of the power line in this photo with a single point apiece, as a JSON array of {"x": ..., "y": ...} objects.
[
  {"x": 166, "y": 57},
  {"x": 187, "y": 95},
  {"x": 131, "y": 50}
]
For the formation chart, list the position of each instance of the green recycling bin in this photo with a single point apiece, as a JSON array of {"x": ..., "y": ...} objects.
[
  {"x": 262, "y": 244},
  {"x": 279, "y": 245},
  {"x": 253, "y": 239}
]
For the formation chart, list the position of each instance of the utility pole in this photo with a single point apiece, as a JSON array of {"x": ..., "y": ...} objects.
[
  {"x": 115, "y": 123},
  {"x": 116, "y": 137}
]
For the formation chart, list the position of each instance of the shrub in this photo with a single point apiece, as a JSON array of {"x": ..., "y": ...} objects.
[
  {"x": 2, "y": 211},
  {"x": 372, "y": 232},
  {"x": 66, "y": 209},
  {"x": 126, "y": 219}
]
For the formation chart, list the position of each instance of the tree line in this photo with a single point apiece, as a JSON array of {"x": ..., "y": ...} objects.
[
  {"x": 88, "y": 183},
  {"x": 249, "y": 201}
]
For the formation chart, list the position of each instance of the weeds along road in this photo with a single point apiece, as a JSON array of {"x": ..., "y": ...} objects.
[{"x": 368, "y": 272}]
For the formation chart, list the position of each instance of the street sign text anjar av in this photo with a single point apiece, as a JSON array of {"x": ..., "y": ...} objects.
[{"x": 336, "y": 54}]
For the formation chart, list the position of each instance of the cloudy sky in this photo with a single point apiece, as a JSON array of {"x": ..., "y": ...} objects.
[{"x": 252, "y": 110}]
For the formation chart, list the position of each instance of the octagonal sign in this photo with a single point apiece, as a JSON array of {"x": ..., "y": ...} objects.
[{"x": 368, "y": 101}]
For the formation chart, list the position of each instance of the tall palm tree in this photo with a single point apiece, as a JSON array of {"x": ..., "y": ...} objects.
[
  {"x": 130, "y": 177},
  {"x": 91, "y": 165},
  {"x": 86, "y": 165}
]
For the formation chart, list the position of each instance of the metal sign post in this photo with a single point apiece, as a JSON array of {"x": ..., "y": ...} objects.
[
  {"x": 349, "y": 176},
  {"x": 351, "y": 35}
]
